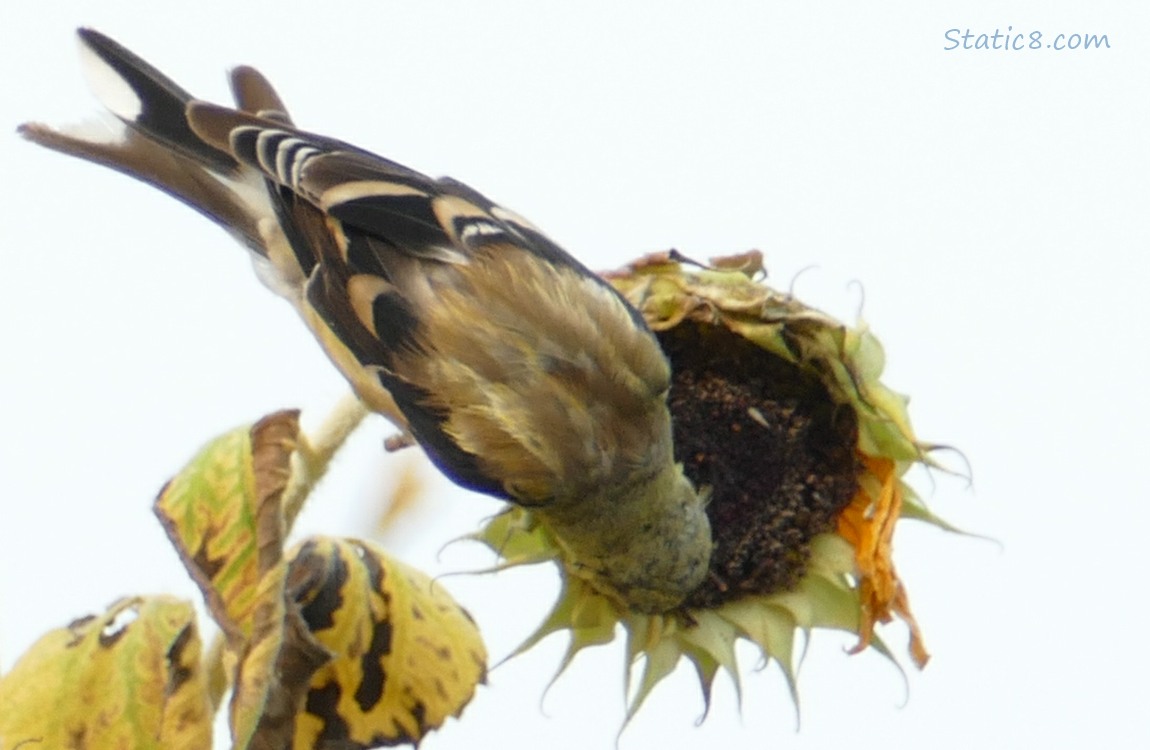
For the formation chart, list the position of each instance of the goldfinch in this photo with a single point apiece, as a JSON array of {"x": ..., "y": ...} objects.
[{"x": 520, "y": 373}]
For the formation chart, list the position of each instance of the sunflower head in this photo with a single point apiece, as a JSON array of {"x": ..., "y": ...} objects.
[{"x": 780, "y": 415}]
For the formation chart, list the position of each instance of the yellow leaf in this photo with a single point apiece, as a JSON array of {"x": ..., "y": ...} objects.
[
  {"x": 128, "y": 678},
  {"x": 406, "y": 656}
]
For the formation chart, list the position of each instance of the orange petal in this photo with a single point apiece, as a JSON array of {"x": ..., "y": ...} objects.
[{"x": 868, "y": 524}]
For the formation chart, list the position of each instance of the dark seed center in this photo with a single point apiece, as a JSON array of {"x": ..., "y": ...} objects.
[{"x": 777, "y": 452}]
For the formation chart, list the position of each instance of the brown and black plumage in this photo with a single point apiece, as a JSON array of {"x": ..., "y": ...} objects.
[{"x": 521, "y": 373}]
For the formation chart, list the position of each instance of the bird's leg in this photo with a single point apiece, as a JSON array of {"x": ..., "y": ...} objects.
[{"x": 398, "y": 442}]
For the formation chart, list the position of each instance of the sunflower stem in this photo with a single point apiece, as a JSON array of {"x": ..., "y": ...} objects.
[{"x": 315, "y": 452}]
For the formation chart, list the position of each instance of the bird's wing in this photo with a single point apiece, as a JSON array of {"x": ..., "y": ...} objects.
[{"x": 516, "y": 367}]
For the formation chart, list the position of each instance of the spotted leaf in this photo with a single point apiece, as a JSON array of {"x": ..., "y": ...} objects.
[{"x": 405, "y": 655}]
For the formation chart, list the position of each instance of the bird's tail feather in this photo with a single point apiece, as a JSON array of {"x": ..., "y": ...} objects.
[{"x": 150, "y": 138}]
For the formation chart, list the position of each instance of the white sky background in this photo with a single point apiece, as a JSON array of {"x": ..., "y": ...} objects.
[{"x": 992, "y": 204}]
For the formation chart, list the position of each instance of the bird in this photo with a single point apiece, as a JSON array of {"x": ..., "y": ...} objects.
[{"x": 521, "y": 373}]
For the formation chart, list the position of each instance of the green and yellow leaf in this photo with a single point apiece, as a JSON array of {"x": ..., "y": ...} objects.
[
  {"x": 222, "y": 513},
  {"x": 129, "y": 678}
]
